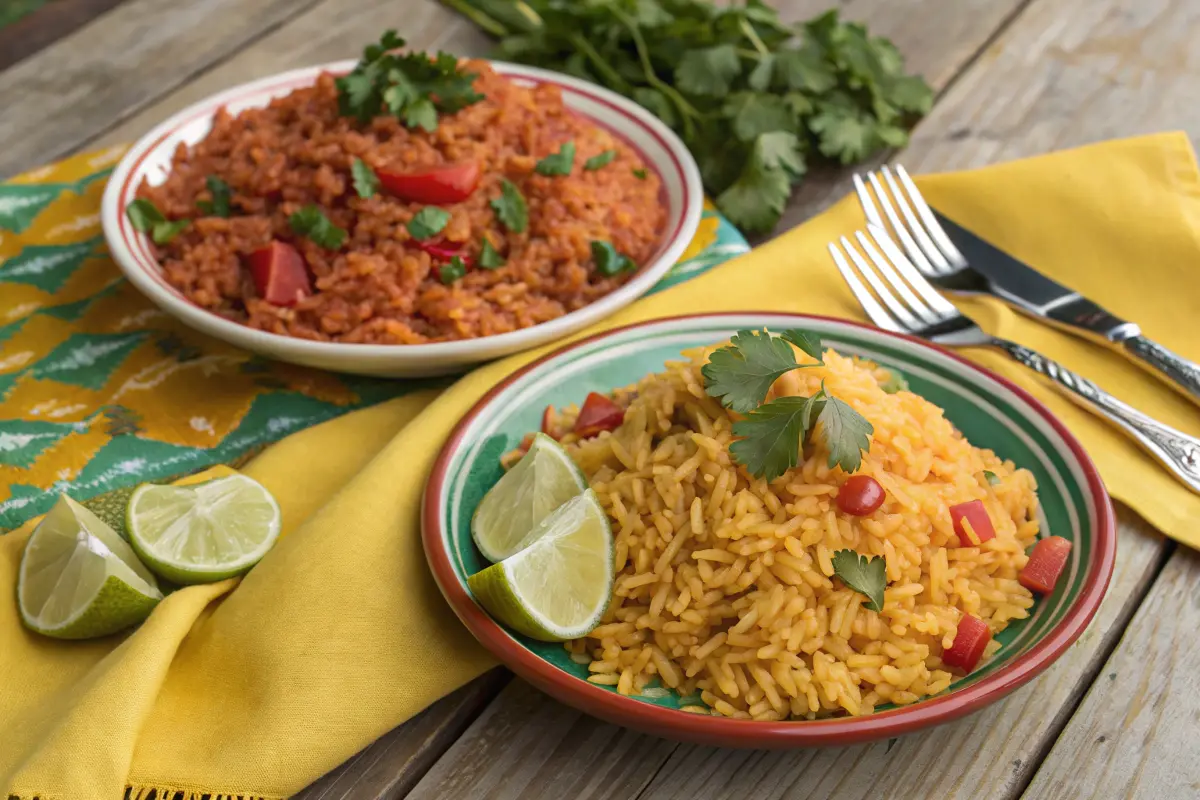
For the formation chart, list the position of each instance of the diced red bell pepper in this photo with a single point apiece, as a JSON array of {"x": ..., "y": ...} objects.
[
  {"x": 1045, "y": 565},
  {"x": 441, "y": 185},
  {"x": 977, "y": 517},
  {"x": 598, "y": 414},
  {"x": 969, "y": 643},
  {"x": 548, "y": 426},
  {"x": 279, "y": 273},
  {"x": 442, "y": 250}
]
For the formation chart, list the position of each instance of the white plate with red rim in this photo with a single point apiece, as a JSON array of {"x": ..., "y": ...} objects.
[{"x": 150, "y": 159}]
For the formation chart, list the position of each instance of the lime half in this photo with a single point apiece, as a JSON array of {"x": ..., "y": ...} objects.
[
  {"x": 559, "y": 586},
  {"x": 79, "y": 579},
  {"x": 202, "y": 533},
  {"x": 540, "y": 482}
]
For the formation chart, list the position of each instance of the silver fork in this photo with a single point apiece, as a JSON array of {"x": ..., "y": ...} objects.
[
  {"x": 907, "y": 303},
  {"x": 929, "y": 248}
]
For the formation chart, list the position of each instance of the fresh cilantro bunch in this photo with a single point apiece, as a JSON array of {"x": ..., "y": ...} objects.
[
  {"x": 755, "y": 100},
  {"x": 411, "y": 86},
  {"x": 770, "y": 434}
]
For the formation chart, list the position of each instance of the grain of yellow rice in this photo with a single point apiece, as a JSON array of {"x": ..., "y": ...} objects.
[{"x": 725, "y": 586}]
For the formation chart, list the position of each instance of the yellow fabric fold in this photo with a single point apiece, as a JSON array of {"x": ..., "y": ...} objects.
[{"x": 340, "y": 634}]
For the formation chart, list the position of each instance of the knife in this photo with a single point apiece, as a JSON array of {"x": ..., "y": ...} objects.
[{"x": 1039, "y": 296}]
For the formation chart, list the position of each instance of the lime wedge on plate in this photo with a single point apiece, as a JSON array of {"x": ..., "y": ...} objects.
[
  {"x": 202, "y": 533},
  {"x": 558, "y": 586},
  {"x": 540, "y": 482},
  {"x": 79, "y": 579}
]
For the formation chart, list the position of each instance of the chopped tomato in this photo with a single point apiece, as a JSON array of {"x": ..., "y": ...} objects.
[
  {"x": 977, "y": 519},
  {"x": 441, "y": 185},
  {"x": 860, "y": 495},
  {"x": 598, "y": 414},
  {"x": 280, "y": 276},
  {"x": 548, "y": 426},
  {"x": 525, "y": 444},
  {"x": 1045, "y": 564},
  {"x": 969, "y": 643},
  {"x": 441, "y": 249}
]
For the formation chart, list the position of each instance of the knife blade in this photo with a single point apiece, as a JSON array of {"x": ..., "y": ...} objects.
[{"x": 1047, "y": 299}]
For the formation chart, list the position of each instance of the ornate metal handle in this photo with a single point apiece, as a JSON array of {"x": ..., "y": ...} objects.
[
  {"x": 1177, "y": 451},
  {"x": 1174, "y": 366}
]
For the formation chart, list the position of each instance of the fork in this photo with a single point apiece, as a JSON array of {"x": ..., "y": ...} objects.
[
  {"x": 934, "y": 254},
  {"x": 908, "y": 303}
]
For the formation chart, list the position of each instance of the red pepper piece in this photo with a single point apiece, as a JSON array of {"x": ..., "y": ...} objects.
[
  {"x": 441, "y": 185},
  {"x": 442, "y": 250},
  {"x": 598, "y": 414},
  {"x": 969, "y": 643},
  {"x": 1045, "y": 565},
  {"x": 860, "y": 495},
  {"x": 279, "y": 273},
  {"x": 548, "y": 426},
  {"x": 977, "y": 517}
]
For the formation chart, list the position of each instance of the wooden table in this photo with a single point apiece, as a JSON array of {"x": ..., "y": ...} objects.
[{"x": 1116, "y": 717}]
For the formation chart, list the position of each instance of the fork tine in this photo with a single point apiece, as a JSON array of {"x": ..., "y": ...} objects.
[
  {"x": 898, "y": 309},
  {"x": 940, "y": 262},
  {"x": 864, "y": 200},
  {"x": 889, "y": 275},
  {"x": 931, "y": 224},
  {"x": 939, "y": 304},
  {"x": 874, "y": 311},
  {"x": 910, "y": 245}
]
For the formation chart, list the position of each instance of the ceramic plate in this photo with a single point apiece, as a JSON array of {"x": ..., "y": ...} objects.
[
  {"x": 150, "y": 158},
  {"x": 988, "y": 409}
]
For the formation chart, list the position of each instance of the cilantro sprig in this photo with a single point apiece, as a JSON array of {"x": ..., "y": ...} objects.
[
  {"x": 221, "y": 197},
  {"x": 311, "y": 222},
  {"x": 754, "y": 99},
  {"x": 511, "y": 208},
  {"x": 366, "y": 182},
  {"x": 770, "y": 434},
  {"x": 413, "y": 87},
  {"x": 559, "y": 163},
  {"x": 145, "y": 217},
  {"x": 866, "y": 575}
]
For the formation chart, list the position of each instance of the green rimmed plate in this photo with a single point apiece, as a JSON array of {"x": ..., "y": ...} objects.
[{"x": 989, "y": 410}]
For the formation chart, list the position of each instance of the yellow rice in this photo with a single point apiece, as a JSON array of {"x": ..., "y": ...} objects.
[{"x": 724, "y": 583}]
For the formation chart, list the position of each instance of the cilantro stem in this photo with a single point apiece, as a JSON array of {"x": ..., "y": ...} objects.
[
  {"x": 598, "y": 62},
  {"x": 686, "y": 109},
  {"x": 752, "y": 35},
  {"x": 489, "y": 24}
]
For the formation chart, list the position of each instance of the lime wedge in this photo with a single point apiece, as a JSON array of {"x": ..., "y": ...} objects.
[
  {"x": 540, "y": 482},
  {"x": 79, "y": 579},
  {"x": 202, "y": 533},
  {"x": 558, "y": 587}
]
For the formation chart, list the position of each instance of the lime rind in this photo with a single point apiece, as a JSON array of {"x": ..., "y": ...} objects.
[
  {"x": 560, "y": 585},
  {"x": 203, "y": 532},
  {"x": 539, "y": 483}
]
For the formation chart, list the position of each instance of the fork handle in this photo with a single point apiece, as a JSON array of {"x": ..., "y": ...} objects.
[
  {"x": 1176, "y": 450},
  {"x": 1174, "y": 366}
]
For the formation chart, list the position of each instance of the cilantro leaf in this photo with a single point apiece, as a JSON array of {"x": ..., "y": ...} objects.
[
  {"x": 428, "y": 222},
  {"x": 741, "y": 374},
  {"x": 143, "y": 215},
  {"x": 510, "y": 207},
  {"x": 761, "y": 76},
  {"x": 991, "y": 478},
  {"x": 641, "y": 174},
  {"x": 658, "y": 104},
  {"x": 844, "y": 432},
  {"x": 312, "y": 223},
  {"x": 609, "y": 262},
  {"x": 865, "y": 575},
  {"x": 843, "y": 134},
  {"x": 910, "y": 93},
  {"x": 366, "y": 182},
  {"x": 895, "y": 382},
  {"x": 599, "y": 160},
  {"x": 708, "y": 71},
  {"x": 754, "y": 114},
  {"x": 449, "y": 273},
  {"x": 421, "y": 114},
  {"x": 559, "y": 163},
  {"x": 221, "y": 196},
  {"x": 489, "y": 257},
  {"x": 805, "y": 70},
  {"x": 755, "y": 201},
  {"x": 808, "y": 342},
  {"x": 165, "y": 231},
  {"x": 771, "y": 434}
]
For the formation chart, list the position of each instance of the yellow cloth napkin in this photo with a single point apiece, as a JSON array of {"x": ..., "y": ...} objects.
[{"x": 340, "y": 634}]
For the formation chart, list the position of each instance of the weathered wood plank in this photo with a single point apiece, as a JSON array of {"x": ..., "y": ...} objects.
[
  {"x": 394, "y": 763},
  {"x": 48, "y": 24},
  {"x": 89, "y": 81},
  {"x": 1134, "y": 736}
]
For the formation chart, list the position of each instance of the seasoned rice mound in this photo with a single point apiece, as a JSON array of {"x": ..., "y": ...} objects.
[
  {"x": 725, "y": 590},
  {"x": 379, "y": 288}
]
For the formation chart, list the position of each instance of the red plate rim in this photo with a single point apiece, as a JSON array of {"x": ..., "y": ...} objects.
[{"x": 723, "y": 731}]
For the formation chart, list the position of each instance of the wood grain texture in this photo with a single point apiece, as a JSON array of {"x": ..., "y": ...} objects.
[
  {"x": 46, "y": 25},
  {"x": 64, "y": 96},
  {"x": 394, "y": 763},
  {"x": 1134, "y": 736}
]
